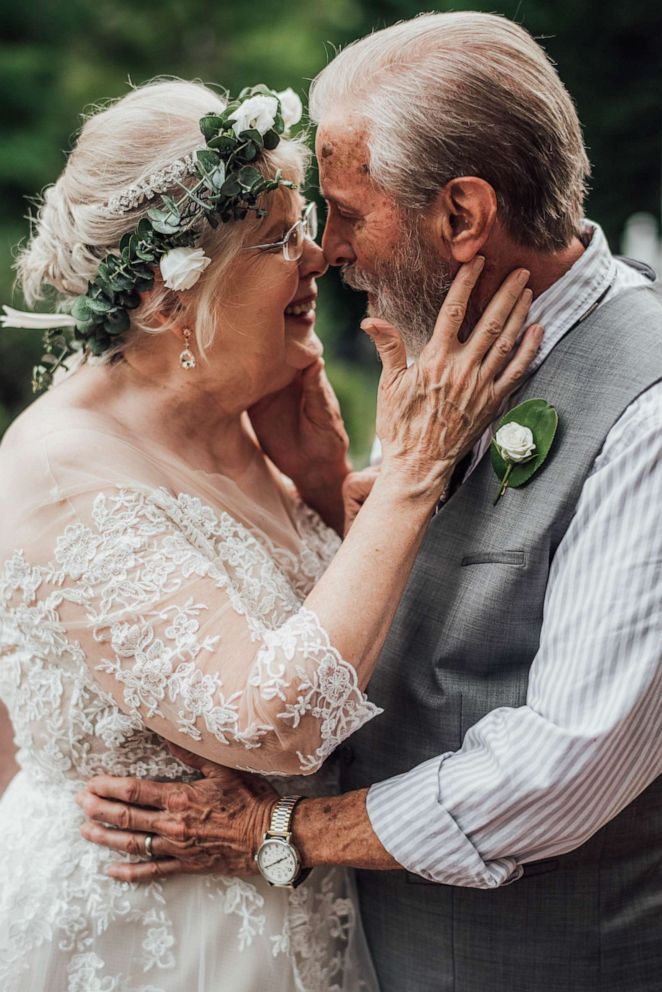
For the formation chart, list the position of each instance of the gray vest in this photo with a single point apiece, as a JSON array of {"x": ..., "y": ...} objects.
[{"x": 461, "y": 645}]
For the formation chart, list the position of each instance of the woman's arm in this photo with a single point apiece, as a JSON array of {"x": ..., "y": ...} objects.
[
  {"x": 302, "y": 431},
  {"x": 184, "y": 614},
  {"x": 8, "y": 766},
  {"x": 428, "y": 416}
]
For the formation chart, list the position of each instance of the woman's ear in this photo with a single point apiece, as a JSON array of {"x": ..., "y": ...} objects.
[
  {"x": 169, "y": 308},
  {"x": 463, "y": 215}
]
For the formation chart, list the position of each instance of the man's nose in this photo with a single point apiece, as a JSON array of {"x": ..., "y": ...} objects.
[{"x": 337, "y": 249}]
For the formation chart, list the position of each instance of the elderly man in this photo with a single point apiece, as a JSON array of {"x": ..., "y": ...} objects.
[{"x": 506, "y": 809}]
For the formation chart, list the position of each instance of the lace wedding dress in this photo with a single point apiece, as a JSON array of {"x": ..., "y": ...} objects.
[{"x": 138, "y": 598}]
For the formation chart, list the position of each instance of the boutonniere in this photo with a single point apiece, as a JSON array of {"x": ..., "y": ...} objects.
[{"x": 522, "y": 442}]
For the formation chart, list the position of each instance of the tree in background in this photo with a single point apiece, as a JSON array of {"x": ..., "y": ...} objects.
[{"x": 56, "y": 59}]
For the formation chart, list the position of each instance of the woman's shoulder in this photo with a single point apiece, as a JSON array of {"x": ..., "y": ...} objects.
[{"x": 50, "y": 447}]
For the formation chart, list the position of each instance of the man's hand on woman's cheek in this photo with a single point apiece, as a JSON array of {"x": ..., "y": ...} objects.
[{"x": 214, "y": 824}]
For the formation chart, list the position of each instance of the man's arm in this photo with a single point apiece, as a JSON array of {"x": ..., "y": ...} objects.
[
  {"x": 538, "y": 781},
  {"x": 527, "y": 783},
  {"x": 336, "y": 830}
]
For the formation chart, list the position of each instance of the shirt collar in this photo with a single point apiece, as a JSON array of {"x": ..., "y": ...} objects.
[{"x": 568, "y": 299}]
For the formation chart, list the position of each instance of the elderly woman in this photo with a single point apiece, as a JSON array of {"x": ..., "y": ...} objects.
[{"x": 172, "y": 565}]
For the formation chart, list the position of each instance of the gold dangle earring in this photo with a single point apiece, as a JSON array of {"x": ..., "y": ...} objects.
[{"x": 187, "y": 358}]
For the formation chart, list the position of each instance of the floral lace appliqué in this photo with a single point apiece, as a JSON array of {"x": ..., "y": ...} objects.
[{"x": 116, "y": 578}]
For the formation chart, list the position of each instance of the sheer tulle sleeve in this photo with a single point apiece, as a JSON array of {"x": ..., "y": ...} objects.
[{"x": 190, "y": 620}]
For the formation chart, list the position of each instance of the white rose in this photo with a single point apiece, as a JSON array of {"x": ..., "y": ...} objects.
[
  {"x": 291, "y": 106},
  {"x": 256, "y": 114},
  {"x": 182, "y": 267},
  {"x": 515, "y": 442}
]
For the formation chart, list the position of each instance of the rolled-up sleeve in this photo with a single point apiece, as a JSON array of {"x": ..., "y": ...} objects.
[{"x": 537, "y": 781}]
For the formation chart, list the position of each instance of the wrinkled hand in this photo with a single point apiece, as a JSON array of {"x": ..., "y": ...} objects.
[
  {"x": 301, "y": 427},
  {"x": 356, "y": 489},
  {"x": 214, "y": 824},
  {"x": 430, "y": 414}
]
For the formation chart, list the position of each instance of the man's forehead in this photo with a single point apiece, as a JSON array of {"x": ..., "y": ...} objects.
[
  {"x": 342, "y": 154},
  {"x": 342, "y": 137}
]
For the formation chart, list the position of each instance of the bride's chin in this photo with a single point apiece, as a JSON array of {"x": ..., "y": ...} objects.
[{"x": 300, "y": 354}]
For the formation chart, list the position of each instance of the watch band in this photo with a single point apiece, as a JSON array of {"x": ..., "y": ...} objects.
[
  {"x": 281, "y": 816},
  {"x": 279, "y": 826}
]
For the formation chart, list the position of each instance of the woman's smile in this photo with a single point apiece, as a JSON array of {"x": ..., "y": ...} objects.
[{"x": 302, "y": 311}]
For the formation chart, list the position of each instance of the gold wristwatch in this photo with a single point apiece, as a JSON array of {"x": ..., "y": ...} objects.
[{"x": 277, "y": 858}]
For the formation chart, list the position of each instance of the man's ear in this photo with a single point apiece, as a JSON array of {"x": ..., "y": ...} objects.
[{"x": 463, "y": 214}]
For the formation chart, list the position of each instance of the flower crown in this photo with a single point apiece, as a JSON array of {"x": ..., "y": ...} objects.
[{"x": 227, "y": 189}]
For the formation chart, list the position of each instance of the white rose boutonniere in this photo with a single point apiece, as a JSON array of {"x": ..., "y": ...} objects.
[
  {"x": 515, "y": 442},
  {"x": 522, "y": 442},
  {"x": 182, "y": 267},
  {"x": 291, "y": 107},
  {"x": 258, "y": 113}
]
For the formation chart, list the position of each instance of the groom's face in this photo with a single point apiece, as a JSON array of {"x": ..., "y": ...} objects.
[{"x": 388, "y": 252}]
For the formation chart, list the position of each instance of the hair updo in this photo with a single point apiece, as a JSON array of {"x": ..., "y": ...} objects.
[{"x": 120, "y": 146}]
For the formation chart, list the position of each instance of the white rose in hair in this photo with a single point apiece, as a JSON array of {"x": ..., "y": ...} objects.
[
  {"x": 515, "y": 442},
  {"x": 255, "y": 114},
  {"x": 291, "y": 107},
  {"x": 182, "y": 267}
]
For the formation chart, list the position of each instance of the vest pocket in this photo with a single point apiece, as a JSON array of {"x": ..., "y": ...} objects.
[{"x": 516, "y": 558}]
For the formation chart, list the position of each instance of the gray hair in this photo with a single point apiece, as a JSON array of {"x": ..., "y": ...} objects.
[
  {"x": 465, "y": 94},
  {"x": 120, "y": 146}
]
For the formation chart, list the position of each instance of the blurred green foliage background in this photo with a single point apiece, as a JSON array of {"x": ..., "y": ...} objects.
[{"x": 56, "y": 59}]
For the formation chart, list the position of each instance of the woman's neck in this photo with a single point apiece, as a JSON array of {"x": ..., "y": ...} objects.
[{"x": 184, "y": 416}]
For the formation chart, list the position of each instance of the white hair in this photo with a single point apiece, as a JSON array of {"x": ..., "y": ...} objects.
[
  {"x": 119, "y": 147},
  {"x": 464, "y": 94}
]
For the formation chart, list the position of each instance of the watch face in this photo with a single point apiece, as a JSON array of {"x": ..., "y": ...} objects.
[{"x": 278, "y": 862}]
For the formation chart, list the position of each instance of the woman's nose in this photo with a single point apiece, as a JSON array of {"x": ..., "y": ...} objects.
[{"x": 312, "y": 262}]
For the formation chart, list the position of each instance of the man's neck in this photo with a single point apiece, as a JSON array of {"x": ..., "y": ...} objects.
[{"x": 546, "y": 268}]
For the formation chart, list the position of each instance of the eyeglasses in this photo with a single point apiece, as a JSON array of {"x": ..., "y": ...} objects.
[{"x": 293, "y": 242}]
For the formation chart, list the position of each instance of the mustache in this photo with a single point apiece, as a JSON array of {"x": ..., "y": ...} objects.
[{"x": 356, "y": 279}]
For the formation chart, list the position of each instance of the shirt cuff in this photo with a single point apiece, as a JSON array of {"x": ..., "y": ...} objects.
[{"x": 409, "y": 819}]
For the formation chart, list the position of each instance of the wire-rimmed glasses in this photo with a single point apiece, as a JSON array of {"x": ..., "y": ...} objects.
[{"x": 293, "y": 242}]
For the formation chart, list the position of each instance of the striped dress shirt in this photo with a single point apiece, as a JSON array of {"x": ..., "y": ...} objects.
[{"x": 537, "y": 781}]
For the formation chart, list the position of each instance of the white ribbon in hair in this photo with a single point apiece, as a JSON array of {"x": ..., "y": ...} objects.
[{"x": 35, "y": 321}]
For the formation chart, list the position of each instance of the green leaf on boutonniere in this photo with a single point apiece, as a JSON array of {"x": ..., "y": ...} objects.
[{"x": 516, "y": 463}]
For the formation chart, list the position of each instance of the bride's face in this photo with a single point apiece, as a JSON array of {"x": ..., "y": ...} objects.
[{"x": 266, "y": 327}]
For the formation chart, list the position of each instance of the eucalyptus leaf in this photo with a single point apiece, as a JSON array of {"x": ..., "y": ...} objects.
[
  {"x": 271, "y": 140},
  {"x": 166, "y": 227},
  {"x": 260, "y": 89},
  {"x": 248, "y": 177},
  {"x": 85, "y": 328},
  {"x": 117, "y": 322},
  {"x": 119, "y": 283},
  {"x": 173, "y": 209},
  {"x": 230, "y": 187},
  {"x": 210, "y": 125},
  {"x": 250, "y": 152},
  {"x": 208, "y": 159},
  {"x": 223, "y": 144},
  {"x": 132, "y": 300},
  {"x": 81, "y": 308},
  {"x": 99, "y": 306}
]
